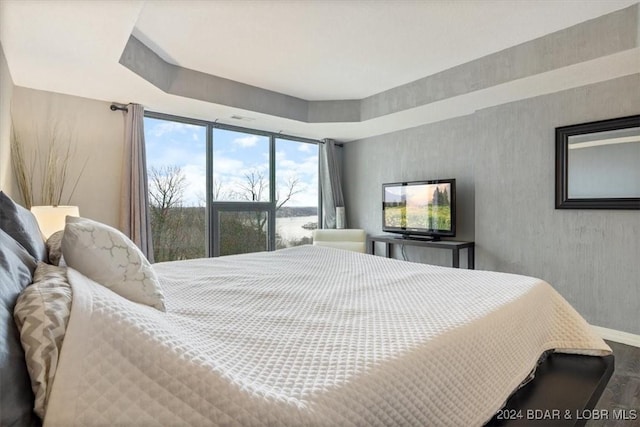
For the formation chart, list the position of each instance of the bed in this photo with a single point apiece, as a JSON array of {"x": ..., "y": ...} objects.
[{"x": 309, "y": 336}]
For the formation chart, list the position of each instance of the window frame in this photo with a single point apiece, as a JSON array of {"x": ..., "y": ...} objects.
[{"x": 211, "y": 251}]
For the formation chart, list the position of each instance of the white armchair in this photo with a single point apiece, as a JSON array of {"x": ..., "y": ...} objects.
[{"x": 347, "y": 239}]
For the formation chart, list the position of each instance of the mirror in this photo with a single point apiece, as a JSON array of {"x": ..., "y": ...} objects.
[{"x": 598, "y": 165}]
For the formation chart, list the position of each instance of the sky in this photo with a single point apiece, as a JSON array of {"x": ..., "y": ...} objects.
[
  {"x": 416, "y": 195},
  {"x": 235, "y": 155}
]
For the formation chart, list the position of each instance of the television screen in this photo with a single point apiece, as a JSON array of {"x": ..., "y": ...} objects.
[{"x": 420, "y": 208}]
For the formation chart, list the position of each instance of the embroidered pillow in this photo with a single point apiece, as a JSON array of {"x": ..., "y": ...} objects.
[
  {"x": 54, "y": 248},
  {"x": 42, "y": 313},
  {"x": 108, "y": 257}
]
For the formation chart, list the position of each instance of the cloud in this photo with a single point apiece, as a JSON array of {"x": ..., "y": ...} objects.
[
  {"x": 161, "y": 128},
  {"x": 226, "y": 165},
  {"x": 247, "y": 141},
  {"x": 175, "y": 156},
  {"x": 196, "y": 185},
  {"x": 305, "y": 148},
  {"x": 307, "y": 166}
]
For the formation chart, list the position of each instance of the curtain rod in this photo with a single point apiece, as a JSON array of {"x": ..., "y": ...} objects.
[{"x": 115, "y": 107}]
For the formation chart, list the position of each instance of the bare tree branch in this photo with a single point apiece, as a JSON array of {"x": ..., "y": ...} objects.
[
  {"x": 290, "y": 191},
  {"x": 166, "y": 186},
  {"x": 254, "y": 187},
  {"x": 217, "y": 191}
]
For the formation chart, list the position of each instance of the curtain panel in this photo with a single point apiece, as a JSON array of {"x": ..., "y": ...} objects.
[
  {"x": 134, "y": 207},
  {"x": 331, "y": 187}
]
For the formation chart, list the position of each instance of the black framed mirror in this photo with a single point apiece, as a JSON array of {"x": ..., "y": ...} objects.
[{"x": 598, "y": 165}]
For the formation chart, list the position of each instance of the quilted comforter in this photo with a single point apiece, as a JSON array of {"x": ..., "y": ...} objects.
[{"x": 308, "y": 336}]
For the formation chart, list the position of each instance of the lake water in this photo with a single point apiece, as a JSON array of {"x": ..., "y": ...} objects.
[{"x": 290, "y": 228}]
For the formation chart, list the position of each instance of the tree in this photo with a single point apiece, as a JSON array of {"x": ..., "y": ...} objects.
[
  {"x": 166, "y": 187},
  {"x": 436, "y": 197},
  {"x": 254, "y": 187},
  {"x": 178, "y": 230},
  {"x": 440, "y": 198},
  {"x": 290, "y": 189},
  {"x": 253, "y": 190}
]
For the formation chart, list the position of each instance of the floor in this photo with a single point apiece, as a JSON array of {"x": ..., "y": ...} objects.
[{"x": 623, "y": 391}]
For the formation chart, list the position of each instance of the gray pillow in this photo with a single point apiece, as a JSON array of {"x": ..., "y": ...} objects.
[
  {"x": 16, "y": 397},
  {"x": 54, "y": 248},
  {"x": 21, "y": 224}
]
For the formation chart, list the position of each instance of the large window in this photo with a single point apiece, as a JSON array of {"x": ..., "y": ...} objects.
[
  {"x": 297, "y": 190},
  {"x": 240, "y": 166},
  {"x": 220, "y": 190},
  {"x": 176, "y": 170}
]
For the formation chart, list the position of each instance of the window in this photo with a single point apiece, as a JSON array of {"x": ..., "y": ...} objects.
[
  {"x": 176, "y": 170},
  {"x": 241, "y": 166},
  {"x": 296, "y": 192},
  {"x": 220, "y": 190}
]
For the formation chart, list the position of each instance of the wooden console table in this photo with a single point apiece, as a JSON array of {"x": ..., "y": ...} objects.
[{"x": 453, "y": 246}]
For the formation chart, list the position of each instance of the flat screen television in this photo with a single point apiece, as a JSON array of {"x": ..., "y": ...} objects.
[{"x": 420, "y": 209}]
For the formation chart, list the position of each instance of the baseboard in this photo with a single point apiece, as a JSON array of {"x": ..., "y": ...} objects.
[{"x": 617, "y": 336}]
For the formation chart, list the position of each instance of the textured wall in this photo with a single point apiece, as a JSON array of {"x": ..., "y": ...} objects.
[
  {"x": 6, "y": 92},
  {"x": 503, "y": 159},
  {"x": 440, "y": 150},
  {"x": 99, "y": 137}
]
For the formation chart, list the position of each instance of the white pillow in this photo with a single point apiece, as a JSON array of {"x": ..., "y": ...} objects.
[{"x": 110, "y": 258}]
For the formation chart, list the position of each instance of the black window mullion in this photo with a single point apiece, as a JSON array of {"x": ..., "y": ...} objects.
[
  {"x": 272, "y": 191},
  {"x": 209, "y": 189}
]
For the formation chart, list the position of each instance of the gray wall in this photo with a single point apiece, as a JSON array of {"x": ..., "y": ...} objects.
[
  {"x": 440, "y": 150},
  {"x": 503, "y": 158},
  {"x": 6, "y": 92}
]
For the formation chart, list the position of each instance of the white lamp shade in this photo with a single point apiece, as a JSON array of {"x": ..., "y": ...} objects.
[{"x": 52, "y": 218}]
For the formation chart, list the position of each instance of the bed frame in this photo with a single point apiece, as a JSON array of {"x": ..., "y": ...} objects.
[{"x": 564, "y": 392}]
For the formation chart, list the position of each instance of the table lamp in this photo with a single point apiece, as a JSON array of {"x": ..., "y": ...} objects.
[{"x": 52, "y": 218}]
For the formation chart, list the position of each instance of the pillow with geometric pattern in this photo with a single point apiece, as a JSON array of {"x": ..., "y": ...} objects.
[
  {"x": 108, "y": 257},
  {"x": 42, "y": 313}
]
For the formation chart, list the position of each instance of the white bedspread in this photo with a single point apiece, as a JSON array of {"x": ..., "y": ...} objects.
[{"x": 308, "y": 336}]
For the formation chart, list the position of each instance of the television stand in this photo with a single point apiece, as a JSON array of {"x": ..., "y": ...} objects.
[
  {"x": 421, "y": 238},
  {"x": 452, "y": 245}
]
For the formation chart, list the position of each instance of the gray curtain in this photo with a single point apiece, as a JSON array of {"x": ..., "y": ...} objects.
[
  {"x": 134, "y": 205},
  {"x": 330, "y": 184}
]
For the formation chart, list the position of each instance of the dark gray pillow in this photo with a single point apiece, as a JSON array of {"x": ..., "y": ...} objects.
[
  {"x": 21, "y": 224},
  {"x": 16, "y": 397},
  {"x": 54, "y": 248}
]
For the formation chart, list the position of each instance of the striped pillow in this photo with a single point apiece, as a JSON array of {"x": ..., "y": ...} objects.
[{"x": 42, "y": 313}]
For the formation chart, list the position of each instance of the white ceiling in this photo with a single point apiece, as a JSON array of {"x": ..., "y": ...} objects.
[
  {"x": 316, "y": 50},
  {"x": 327, "y": 50}
]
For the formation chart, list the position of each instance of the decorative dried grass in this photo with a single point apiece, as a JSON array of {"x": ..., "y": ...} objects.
[{"x": 53, "y": 167}]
